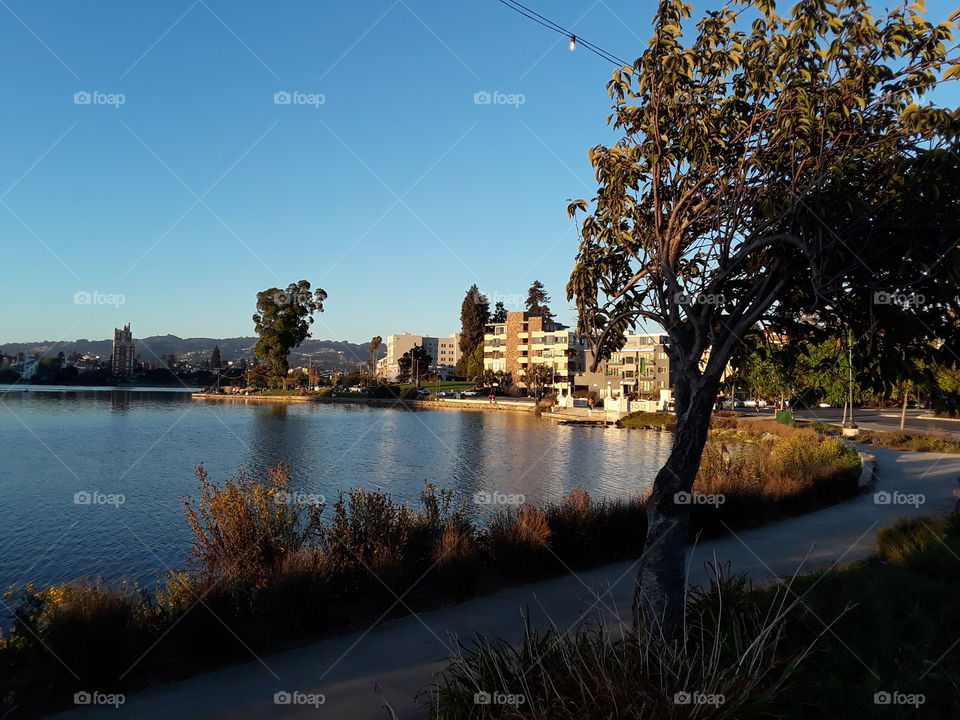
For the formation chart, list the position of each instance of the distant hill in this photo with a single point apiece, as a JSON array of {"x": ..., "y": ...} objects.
[{"x": 329, "y": 354}]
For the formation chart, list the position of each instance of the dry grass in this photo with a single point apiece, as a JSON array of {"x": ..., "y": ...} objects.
[
  {"x": 918, "y": 441},
  {"x": 731, "y": 648}
]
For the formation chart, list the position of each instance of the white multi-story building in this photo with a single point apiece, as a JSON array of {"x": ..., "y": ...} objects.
[{"x": 443, "y": 351}]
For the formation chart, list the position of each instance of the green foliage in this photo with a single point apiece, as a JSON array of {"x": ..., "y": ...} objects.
[
  {"x": 772, "y": 162},
  {"x": 499, "y": 313},
  {"x": 474, "y": 366},
  {"x": 474, "y": 315},
  {"x": 282, "y": 322},
  {"x": 537, "y": 378},
  {"x": 414, "y": 364}
]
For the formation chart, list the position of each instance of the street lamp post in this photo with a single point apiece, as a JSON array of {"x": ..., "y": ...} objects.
[{"x": 850, "y": 427}]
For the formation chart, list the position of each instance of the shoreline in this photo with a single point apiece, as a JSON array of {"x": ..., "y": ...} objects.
[{"x": 482, "y": 405}]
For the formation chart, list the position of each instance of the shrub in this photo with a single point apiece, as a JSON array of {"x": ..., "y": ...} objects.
[
  {"x": 520, "y": 540},
  {"x": 246, "y": 528},
  {"x": 90, "y": 627}
]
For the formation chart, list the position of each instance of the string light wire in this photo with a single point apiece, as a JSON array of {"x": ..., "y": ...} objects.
[{"x": 574, "y": 39}]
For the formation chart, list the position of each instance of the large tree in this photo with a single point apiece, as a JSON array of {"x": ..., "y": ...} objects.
[
  {"x": 538, "y": 378},
  {"x": 414, "y": 364},
  {"x": 474, "y": 316},
  {"x": 771, "y": 169},
  {"x": 215, "y": 358},
  {"x": 538, "y": 302},
  {"x": 282, "y": 322},
  {"x": 499, "y": 313}
]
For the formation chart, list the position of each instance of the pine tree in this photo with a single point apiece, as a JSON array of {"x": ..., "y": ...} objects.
[
  {"x": 499, "y": 313},
  {"x": 538, "y": 302},
  {"x": 474, "y": 315},
  {"x": 215, "y": 358}
]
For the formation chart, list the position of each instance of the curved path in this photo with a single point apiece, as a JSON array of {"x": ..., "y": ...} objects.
[{"x": 361, "y": 674}]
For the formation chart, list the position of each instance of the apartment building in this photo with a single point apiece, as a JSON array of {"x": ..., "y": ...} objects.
[
  {"x": 526, "y": 340},
  {"x": 642, "y": 366},
  {"x": 124, "y": 351},
  {"x": 445, "y": 352}
]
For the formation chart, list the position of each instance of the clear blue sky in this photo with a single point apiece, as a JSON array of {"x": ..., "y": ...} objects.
[{"x": 394, "y": 195}]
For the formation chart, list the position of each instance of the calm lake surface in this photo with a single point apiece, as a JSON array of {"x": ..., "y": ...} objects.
[{"x": 145, "y": 445}]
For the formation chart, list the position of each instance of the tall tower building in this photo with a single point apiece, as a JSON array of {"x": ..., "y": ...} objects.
[{"x": 124, "y": 351}]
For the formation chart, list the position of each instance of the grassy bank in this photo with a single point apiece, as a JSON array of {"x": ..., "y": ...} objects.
[
  {"x": 874, "y": 639},
  {"x": 648, "y": 420},
  {"x": 276, "y": 567}
]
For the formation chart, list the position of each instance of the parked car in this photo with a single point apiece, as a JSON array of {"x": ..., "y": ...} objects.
[
  {"x": 472, "y": 393},
  {"x": 423, "y": 391}
]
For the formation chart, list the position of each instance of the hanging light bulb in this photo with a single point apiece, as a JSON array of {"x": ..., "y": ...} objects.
[{"x": 573, "y": 43}]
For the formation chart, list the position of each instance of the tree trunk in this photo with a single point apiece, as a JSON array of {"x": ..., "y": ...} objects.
[{"x": 658, "y": 599}]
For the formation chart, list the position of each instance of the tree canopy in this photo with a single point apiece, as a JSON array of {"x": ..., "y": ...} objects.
[
  {"x": 772, "y": 169},
  {"x": 282, "y": 322},
  {"x": 474, "y": 315},
  {"x": 538, "y": 301}
]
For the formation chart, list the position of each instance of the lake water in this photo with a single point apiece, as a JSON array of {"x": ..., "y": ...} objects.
[{"x": 145, "y": 445}]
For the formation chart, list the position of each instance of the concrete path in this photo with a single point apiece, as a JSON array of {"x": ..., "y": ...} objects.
[{"x": 362, "y": 674}]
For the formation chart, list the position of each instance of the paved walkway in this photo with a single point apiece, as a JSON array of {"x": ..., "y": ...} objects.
[{"x": 362, "y": 673}]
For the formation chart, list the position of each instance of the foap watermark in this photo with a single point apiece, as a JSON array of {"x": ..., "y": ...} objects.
[
  {"x": 509, "y": 300},
  {"x": 693, "y": 97},
  {"x": 299, "y": 498},
  {"x": 682, "y": 298},
  {"x": 295, "y": 97},
  {"x": 685, "y": 697},
  {"x": 83, "y": 297},
  {"x": 295, "y": 697},
  {"x": 485, "y": 497},
  {"x": 284, "y": 298},
  {"x": 85, "y": 697},
  {"x": 95, "y": 97},
  {"x": 685, "y": 498},
  {"x": 499, "y": 698},
  {"x": 898, "y": 498},
  {"x": 886, "y": 697},
  {"x": 904, "y": 300},
  {"x": 85, "y": 497},
  {"x": 496, "y": 97}
]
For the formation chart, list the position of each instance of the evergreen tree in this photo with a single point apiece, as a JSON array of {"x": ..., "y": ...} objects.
[
  {"x": 499, "y": 313},
  {"x": 215, "y": 358},
  {"x": 538, "y": 302},
  {"x": 474, "y": 315}
]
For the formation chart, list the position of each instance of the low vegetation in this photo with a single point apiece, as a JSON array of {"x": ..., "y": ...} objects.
[
  {"x": 648, "y": 420},
  {"x": 873, "y": 639},
  {"x": 276, "y": 567},
  {"x": 919, "y": 441}
]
